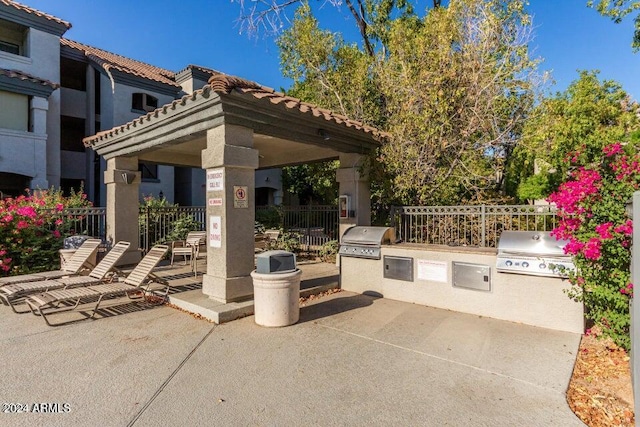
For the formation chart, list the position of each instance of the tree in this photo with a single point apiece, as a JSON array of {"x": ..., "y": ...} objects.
[
  {"x": 458, "y": 86},
  {"x": 584, "y": 118},
  {"x": 314, "y": 182},
  {"x": 370, "y": 16},
  {"x": 617, "y": 10},
  {"x": 454, "y": 89}
]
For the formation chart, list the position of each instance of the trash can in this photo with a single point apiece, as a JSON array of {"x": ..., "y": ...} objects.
[{"x": 276, "y": 288}]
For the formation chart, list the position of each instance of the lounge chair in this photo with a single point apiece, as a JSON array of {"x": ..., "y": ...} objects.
[
  {"x": 189, "y": 247},
  {"x": 48, "y": 303},
  {"x": 74, "y": 266},
  {"x": 9, "y": 294}
]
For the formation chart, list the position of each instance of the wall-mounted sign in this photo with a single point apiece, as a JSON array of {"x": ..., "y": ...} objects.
[
  {"x": 215, "y": 231},
  {"x": 240, "y": 196},
  {"x": 344, "y": 205},
  {"x": 435, "y": 271},
  {"x": 215, "y": 180},
  {"x": 216, "y": 201}
]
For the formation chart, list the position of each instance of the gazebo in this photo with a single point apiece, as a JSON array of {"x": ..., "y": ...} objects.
[{"x": 230, "y": 128}]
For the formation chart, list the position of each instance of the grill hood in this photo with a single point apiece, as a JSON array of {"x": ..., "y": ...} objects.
[
  {"x": 368, "y": 235},
  {"x": 531, "y": 243}
]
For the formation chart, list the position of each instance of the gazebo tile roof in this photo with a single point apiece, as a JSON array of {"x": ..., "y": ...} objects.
[{"x": 226, "y": 84}]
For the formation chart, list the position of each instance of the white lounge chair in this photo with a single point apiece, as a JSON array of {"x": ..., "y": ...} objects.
[
  {"x": 10, "y": 294},
  {"x": 138, "y": 281}
]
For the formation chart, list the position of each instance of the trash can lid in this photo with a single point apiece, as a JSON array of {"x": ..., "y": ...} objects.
[{"x": 276, "y": 261}]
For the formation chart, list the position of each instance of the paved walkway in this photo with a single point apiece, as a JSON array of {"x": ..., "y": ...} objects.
[{"x": 351, "y": 360}]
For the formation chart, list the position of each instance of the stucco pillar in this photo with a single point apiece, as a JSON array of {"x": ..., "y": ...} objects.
[
  {"x": 90, "y": 129},
  {"x": 38, "y": 118},
  {"x": 123, "y": 180},
  {"x": 230, "y": 163},
  {"x": 354, "y": 182}
]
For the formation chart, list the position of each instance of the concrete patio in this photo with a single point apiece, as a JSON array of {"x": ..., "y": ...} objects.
[{"x": 351, "y": 360}]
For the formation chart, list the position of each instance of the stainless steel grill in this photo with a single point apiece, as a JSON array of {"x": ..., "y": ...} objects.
[
  {"x": 365, "y": 241},
  {"x": 535, "y": 253}
]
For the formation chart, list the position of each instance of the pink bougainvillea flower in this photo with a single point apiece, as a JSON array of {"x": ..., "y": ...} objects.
[
  {"x": 591, "y": 249},
  {"x": 612, "y": 149},
  {"x": 59, "y": 207},
  {"x": 56, "y": 233},
  {"x": 22, "y": 224},
  {"x": 604, "y": 230},
  {"x": 574, "y": 247},
  {"x": 626, "y": 228},
  {"x": 58, "y": 221},
  {"x": 27, "y": 211}
]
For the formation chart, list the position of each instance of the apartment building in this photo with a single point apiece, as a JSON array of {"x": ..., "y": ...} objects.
[{"x": 55, "y": 91}]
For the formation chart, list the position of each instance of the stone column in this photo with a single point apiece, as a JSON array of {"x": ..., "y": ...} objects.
[
  {"x": 38, "y": 118},
  {"x": 354, "y": 183},
  {"x": 230, "y": 161},
  {"x": 123, "y": 180}
]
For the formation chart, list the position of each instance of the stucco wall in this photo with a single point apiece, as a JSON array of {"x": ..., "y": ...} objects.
[
  {"x": 74, "y": 103},
  {"x": 22, "y": 153},
  {"x": 43, "y": 62},
  {"x": 532, "y": 300}
]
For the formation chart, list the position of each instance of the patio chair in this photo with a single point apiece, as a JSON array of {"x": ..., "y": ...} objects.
[
  {"x": 75, "y": 266},
  {"x": 190, "y": 247},
  {"x": 12, "y": 293},
  {"x": 48, "y": 303}
]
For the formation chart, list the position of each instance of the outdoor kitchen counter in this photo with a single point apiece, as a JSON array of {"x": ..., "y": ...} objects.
[
  {"x": 464, "y": 279},
  {"x": 446, "y": 248}
]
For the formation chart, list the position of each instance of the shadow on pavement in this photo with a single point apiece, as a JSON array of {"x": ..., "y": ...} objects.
[{"x": 336, "y": 306}]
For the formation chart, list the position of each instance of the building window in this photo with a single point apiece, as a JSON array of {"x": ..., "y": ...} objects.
[
  {"x": 14, "y": 111},
  {"x": 71, "y": 133},
  {"x": 13, "y": 38},
  {"x": 73, "y": 74},
  {"x": 149, "y": 171},
  {"x": 143, "y": 102}
]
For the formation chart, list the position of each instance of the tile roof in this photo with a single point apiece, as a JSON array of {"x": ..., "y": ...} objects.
[
  {"x": 35, "y": 12},
  {"x": 15, "y": 74},
  {"x": 226, "y": 84},
  {"x": 108, "y": 60},
  {"x": 206, "y": 70}
]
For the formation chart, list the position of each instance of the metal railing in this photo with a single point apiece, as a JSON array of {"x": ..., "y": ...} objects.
[
  {"x": 478, "y": 226},
  {"x": 161, "y": 224},
  {"x": 314, "y": 225},
  {"x": 88, "y": 221}
]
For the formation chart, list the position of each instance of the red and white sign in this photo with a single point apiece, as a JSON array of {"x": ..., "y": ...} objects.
[
  {"x": 215, "y": 231},
  {"x": 240, "y": 196},
  {"x": 215, "y": 180},
  {"x": 216, "y": 201},
  {"x": 436, "y": 271}
]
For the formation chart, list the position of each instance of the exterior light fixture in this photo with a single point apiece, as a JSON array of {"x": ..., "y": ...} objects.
[{"x": 323, "y": 134}]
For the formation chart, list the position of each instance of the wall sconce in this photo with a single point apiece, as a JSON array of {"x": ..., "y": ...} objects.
[
  {"x": 323, "y": 134},
  {"x": 266, "y": 179},
  {"x": 128, "y": 177}
]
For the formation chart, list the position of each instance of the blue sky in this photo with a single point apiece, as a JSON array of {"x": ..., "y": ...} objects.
[{"x": 172, "y": 34}]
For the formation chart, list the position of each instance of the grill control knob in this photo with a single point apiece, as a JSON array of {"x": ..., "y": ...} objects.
[
  {"x": 525, "y": 264},
  {"x": 509, "y": 263},
  {"x": 542, "y": 266}
]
